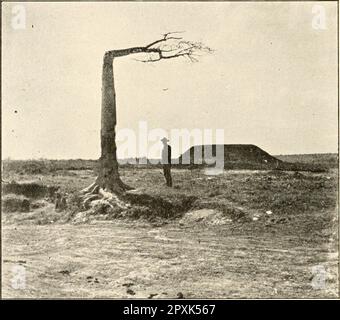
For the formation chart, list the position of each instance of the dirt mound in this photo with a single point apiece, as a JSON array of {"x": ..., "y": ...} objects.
[
  {"x": 160, "y": 207},
  {"x": 15, "y": 203},
  {"x": 28, "y": 197},
  {"x": 138, "y": 206},
  {"x": 206, "y": 216},
  {"x": 29, "y": 189},
  {"x": 240, "y": 156},
  {"x": 233, "y": 155}
]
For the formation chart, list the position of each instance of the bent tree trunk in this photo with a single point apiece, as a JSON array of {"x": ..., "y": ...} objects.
[
  {"x": 108, "y": 176},
  {"x": 108, "y": 183}
]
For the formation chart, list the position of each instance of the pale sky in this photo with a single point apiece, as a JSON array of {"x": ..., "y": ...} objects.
[{"x": 271, "y": 81}]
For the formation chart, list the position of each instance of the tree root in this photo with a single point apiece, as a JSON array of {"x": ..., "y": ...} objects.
[
  {"x": 97, "y": 202},
  {"x": 90, "y": 189},
  {"x": 94, "y": 195}
]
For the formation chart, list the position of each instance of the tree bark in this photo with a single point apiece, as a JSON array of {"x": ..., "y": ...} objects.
[{"x": 108, "y": 175}]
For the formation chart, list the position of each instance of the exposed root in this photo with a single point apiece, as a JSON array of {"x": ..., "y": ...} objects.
[
  {"x": 96, "y": 196},
  {"x": 87, "y": 201},
  {"x": 113, "y": 198},
  {"x": 96, "y": 202},
  {"x": 91, "y": 189}
]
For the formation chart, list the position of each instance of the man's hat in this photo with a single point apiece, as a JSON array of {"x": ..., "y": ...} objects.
[{"x": 165, "y": 140}]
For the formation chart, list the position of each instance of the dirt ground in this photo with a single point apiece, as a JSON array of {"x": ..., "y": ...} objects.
[{"x": 248, "y": 234}]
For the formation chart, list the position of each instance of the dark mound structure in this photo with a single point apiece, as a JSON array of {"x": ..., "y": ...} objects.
[
  {"x": 147, "y": 206},
  {"x": 29, "y": 189},
  {"x": 238, "y": 156},
  {"x": 14, "y": 203}
]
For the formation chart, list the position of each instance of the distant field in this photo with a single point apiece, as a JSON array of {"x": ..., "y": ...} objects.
[
  {"x": 330, "y": 160},
  {"x": 43, "y": 166}
]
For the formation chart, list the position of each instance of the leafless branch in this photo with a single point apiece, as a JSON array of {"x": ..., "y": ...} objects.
[
  {"x": 170, "y": 47},
  {"x": 166, "y": 37}
]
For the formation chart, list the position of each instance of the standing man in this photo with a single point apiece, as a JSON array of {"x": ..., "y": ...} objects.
[{"x": 166, "y": 161}]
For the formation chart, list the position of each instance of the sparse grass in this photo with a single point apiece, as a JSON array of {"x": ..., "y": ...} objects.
[
  {"x": 309, "y": 162},
  {"x": 271, "y": 256},
  {"x": 237, "y": 194},
  {"x": 45, "y": 166},
  {"x": 326, "y": 160}
]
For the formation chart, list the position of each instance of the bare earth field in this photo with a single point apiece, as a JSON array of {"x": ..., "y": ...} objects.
[{"x": 244, "y": 234}]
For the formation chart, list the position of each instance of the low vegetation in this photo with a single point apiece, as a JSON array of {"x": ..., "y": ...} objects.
[{"x": 244, "y": 233}]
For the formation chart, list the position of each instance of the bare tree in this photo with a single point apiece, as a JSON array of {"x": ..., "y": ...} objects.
[{"x": 169, "y": 46}]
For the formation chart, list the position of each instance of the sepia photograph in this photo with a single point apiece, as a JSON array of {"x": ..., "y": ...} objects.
[{"x": 162, "y": 150}]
